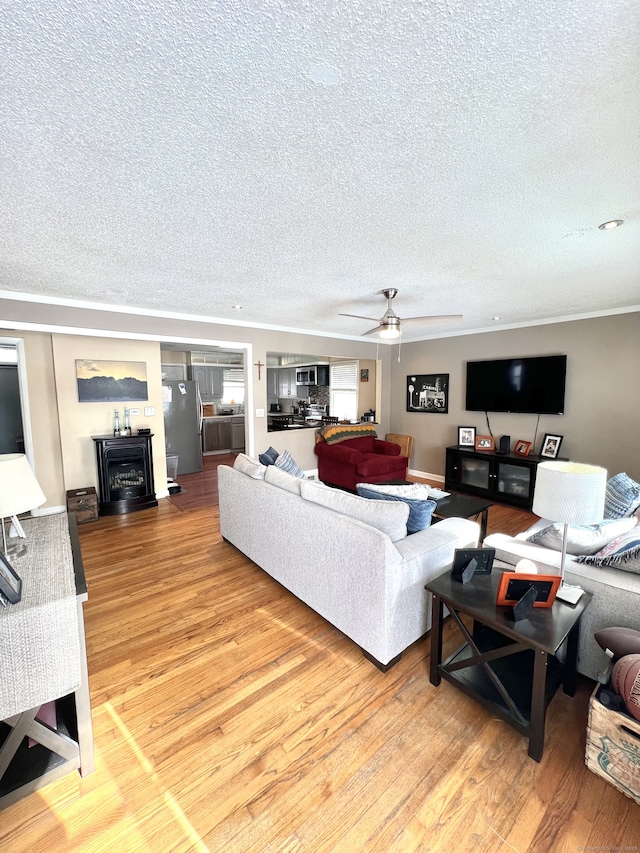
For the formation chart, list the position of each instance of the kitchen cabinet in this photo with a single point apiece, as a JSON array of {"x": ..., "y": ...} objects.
[
  {"x": 287, "y": 382},
  {"x": 272, "y": 383},
  {"x": 216, "y": 435},
  {"x": 177, "y": 372},
  {"x": 237, "y": 434},
  {"x": 505, "y": 477},
  {"x": 209, "y": 379}
]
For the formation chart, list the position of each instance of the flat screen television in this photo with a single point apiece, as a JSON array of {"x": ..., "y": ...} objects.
[{"x": 525, "y": 385}]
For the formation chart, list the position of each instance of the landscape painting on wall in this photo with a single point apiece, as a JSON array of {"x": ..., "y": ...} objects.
[
  {"x": 428, "y": 392},
  {"x": 111, "y": 381}
]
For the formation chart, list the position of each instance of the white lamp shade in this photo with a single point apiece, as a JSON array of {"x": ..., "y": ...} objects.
[
  {"x": 570, "y": 492},
  {"x": 19, "y": 489}
]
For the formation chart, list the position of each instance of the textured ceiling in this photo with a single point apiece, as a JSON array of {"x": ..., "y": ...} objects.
[{"x": 295, "y": 158}]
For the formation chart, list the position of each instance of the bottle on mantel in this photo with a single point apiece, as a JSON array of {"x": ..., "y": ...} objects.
[
  {"x": 116, "y": 424},
  {"x": 126, "y": 427}
]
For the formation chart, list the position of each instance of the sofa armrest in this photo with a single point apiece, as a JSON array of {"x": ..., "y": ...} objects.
[
  {"x": 337, "y": 453},
  {"x": 388, "y": 448}
]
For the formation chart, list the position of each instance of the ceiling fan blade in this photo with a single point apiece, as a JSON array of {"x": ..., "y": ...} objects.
[
  {"x": 360, "y": 317},
  {"x": 433, "y": 318},
  {"x": 372, "y": 331}
]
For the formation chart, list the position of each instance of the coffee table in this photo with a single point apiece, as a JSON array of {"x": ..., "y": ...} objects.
[
  {"x": 511, "y": 668},
  {"x": 463, "y": 506}
]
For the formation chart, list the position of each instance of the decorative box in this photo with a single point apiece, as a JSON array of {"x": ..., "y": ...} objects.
[
  {"x": 613, "y": 746},
  {"x": 83, "y": 503}
]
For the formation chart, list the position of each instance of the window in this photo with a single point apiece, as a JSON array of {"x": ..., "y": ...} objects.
[
  {"x": 344, "y": 390},
  {"x": 233, "y": 385}
]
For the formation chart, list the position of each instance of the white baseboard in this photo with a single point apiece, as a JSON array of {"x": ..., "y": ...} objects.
[
  {"x": 48, "y": 510},
  {"x": 426, "y": 476}
]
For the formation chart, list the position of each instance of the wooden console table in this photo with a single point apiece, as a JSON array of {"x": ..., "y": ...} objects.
[{"x": 44, "y": 660}]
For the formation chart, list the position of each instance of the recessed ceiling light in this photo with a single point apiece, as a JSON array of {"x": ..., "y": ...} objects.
[
  {"x": 237, "y": 307},
  {"x": 497, "y": 318},
  {"x": 612, "y": 223}
]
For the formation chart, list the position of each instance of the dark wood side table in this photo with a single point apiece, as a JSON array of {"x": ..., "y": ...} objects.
[{"x": 511, "y": 668}]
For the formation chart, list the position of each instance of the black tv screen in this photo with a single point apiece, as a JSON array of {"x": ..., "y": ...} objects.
[{"x": 525, "y": 385}]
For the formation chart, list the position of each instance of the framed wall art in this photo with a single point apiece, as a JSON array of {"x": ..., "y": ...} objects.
[
  {"x": 466, "y": 436},
  {"x": 428, "y": 392},
  {"x": 551, "y": 445},
  {"x": 111, "y": 381}
]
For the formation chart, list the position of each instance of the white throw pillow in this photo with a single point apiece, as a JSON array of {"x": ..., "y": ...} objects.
[
  {"x": 285, "y": 481},
  {"x": 582, "y": 539},
  {"x": 389, "y": 517},
  {"x": 250, "y": 466}
]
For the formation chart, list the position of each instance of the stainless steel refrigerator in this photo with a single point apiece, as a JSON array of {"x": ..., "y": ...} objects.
[{"x": 182, "y": 407}]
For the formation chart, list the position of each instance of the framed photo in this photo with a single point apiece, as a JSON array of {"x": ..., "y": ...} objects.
[
  {"x": 364, "y": 374},
  {"x": 550, "y": 445},
  {"x": 522, "y": 448},
  {"x": 513, "y": 585},
  {"x": 479, "y": 560},
  {"x": 466, "y": 436},
  {"x": 111, "y": 381},
  {"x": 485, "y": 442},
  {"x": 428, "y": 392},
  {"x": 10, "y": 583}
]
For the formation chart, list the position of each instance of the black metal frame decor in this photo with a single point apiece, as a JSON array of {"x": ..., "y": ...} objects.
[{"x": 428, "y": 392}]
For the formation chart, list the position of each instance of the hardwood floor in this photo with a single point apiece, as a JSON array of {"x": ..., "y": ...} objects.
[{"x": 230, "y": 717}]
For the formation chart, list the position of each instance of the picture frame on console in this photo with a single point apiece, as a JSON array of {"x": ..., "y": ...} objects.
[
  {"x": 485, "y": 442},
  {"x": 522, "y": 448},
  {"x": 466, "y": 436},
  {"x": 551, "y": 445}
]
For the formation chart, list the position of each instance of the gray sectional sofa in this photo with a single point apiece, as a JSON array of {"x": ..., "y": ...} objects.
[{"x": 347, "y": 557}]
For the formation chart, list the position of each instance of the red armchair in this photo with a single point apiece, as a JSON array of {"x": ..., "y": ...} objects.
[{"x": 365, "y": 459}]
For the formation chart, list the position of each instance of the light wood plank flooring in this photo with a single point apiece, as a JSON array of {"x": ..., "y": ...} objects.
[{"x": 230, "y": 717}]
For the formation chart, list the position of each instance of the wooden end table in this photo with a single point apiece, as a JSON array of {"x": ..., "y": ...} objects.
[{"x": 511, "y": 668}]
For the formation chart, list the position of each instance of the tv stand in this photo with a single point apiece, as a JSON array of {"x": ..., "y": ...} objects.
[{"x": 504, "y": 477}]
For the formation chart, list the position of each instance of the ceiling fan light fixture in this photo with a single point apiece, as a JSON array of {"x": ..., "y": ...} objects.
[{"x": 390, "y": 332}]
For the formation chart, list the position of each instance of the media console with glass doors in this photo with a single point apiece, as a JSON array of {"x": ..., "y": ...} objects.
[{"x": 506, "y": 477}]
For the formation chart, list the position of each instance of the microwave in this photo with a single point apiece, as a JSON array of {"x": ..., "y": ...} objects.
[{"x": 306, "y": 376}]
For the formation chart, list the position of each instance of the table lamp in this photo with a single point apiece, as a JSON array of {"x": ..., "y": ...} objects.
[
  {"x": 569, "y": 493},
  {"x": 19, "y": 492}
]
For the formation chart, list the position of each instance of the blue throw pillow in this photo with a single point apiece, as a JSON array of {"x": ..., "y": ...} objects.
[
  {"x": 286, "y": 463},
  {"x": 622, "y": 497},
  {"x": 268, "y": 457},
  {"x": 420, "y": 510}
]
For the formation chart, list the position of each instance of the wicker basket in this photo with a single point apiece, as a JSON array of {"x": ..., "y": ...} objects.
[{"x": 613, "y": 746}]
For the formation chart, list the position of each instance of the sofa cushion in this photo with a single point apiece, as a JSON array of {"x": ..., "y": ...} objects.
[
  {"x": 623, "y": 553},
  {"x": 420, "y": 508},
  {"x": 376, "y": 463},
  {"x": 249, "y": 466},
  {"x": 582, "y": 539},
  {"x": 285, "y": 462},
  {"x": 277, "y": 477},
  {"x": 335, "y": 433},
  {"x": 389, "y": 518},
  {"x": 622, "y": 497},
  {"x": 269, "y": 456}
]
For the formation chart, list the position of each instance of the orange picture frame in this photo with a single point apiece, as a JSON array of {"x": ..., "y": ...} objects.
[
  {"x": 513, "y": 585},
  {"x": 485, "y": 442},
  {"x": 522, "y": 448}
]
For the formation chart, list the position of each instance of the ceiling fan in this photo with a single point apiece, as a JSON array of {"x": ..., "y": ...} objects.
[{"x": 389, "y": 325}]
